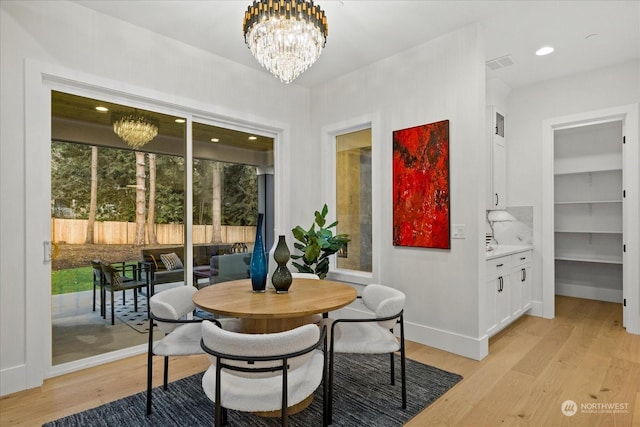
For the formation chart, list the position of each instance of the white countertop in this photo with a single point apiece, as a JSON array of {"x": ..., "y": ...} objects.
[{"x": 502, "y": 250}]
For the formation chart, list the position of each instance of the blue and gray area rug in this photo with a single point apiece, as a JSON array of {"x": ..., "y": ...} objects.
[{"x": 363, "y": 398}]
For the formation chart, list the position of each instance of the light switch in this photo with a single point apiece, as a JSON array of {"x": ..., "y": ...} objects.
[{"x": 457, "y": 231}]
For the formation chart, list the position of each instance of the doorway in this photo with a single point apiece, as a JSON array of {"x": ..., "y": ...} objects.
[{"x": 590, "y": 200}]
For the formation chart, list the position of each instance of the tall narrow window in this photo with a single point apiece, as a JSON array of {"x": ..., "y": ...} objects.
[{"x": 353, "y": 197}]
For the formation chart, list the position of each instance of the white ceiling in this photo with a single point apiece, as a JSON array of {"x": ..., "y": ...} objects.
[{"x": 362, "y": 32}]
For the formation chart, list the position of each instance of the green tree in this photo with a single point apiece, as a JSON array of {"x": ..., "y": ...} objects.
[{"x": 240, "y": 195}]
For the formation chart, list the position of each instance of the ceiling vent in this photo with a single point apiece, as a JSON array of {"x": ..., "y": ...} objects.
[{"x": 497, "y": 63}]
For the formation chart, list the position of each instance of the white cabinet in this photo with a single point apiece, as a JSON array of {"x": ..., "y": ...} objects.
[
  {"x": 498, "y": 293},
  {"x": 497, "y": 160},
  {"x": 508, "y": 289},
  {"x": 588, "y": 213},
  {"x": 520, "y": 283}
]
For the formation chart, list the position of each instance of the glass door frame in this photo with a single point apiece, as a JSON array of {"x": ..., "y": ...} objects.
[{"x": 40, "y": 80}]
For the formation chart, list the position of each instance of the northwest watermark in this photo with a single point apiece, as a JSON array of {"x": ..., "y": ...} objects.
[{"x": 570, "y": 408}]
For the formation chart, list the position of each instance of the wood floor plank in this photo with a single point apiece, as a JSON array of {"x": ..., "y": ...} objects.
[
  {"x": 454, "y": 406},
  {"x": 539, "y": 356},
  {"x": 498, "y": 407},
  {"x": 615, "y": 404}
]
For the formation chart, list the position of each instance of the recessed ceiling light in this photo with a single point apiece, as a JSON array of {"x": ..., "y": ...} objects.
[
  {"x": 215, "y": 140},
  {"x": 101, "y": 108},
  {"x": 544, "y": 51},
  {"x": 253, "y": 138},
  {"x": 180, "y": 120}
]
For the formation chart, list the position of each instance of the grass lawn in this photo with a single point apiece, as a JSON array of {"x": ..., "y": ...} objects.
[
  {"x": 71, "y": 280},
  {"x": 75, "y": 279}
]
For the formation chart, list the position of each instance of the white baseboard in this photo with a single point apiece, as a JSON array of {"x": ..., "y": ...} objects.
[
  {"x": 536, "y": 309},
  {"x": 589, "y": 292},
  {"x": 13, "y": 379},
  {"x": 89, "y": 362},
  {"x": 473, "y": 348}
]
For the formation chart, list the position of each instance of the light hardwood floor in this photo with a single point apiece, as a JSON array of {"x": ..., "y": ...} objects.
[{"x": 535, "y": 365}]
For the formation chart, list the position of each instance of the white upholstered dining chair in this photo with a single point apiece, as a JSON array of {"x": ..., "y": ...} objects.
[
  {"x": 263, "y": 372},
  {"x": 370, "y": 335},
  {"x": 169, "y": 311}
]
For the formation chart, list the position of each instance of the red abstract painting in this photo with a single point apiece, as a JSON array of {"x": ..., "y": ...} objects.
[{"x": 421, "y": 186}]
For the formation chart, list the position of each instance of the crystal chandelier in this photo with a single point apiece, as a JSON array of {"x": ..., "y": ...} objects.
[
  {"x": 285, "y": 36},
  {"x": 134, "y": 129}
]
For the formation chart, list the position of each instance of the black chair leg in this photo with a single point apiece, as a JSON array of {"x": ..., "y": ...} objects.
[
  {"x": 403, "y": 359},
  {"x": 113, "y": 311},
  {"x": 149, "y": 368},
  {"x": 94, "y": 296},
  {"x": 330, "y": 399},
  {"x": 393, "y": 369},
  {"x": 218, "y": 415},
  {"x": 166, "y": 371},
  {"x": 103, "y": 297}
]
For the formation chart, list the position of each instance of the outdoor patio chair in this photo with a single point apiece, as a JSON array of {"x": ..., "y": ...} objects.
[
  {"x": 370, "y": 335},
  {"x": 114, "y": 282},
  {"x": 98, "y": 283},
  {"x": 263, "y": 372}
]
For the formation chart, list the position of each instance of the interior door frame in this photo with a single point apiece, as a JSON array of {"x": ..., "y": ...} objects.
[
  {"x": 40, "y": 79},
  {"x": 628, "y": 114}
]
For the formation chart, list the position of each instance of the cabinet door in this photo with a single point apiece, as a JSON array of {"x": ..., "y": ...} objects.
[
  {"x": 491, "y": 294},
  {"x": 496, "y": 160},
  {"x": 516, "y": 292},
  {"x": 524, "y": 282},
  {"x": 499, "y": 150},
  {"x": 503, "y": 300}
]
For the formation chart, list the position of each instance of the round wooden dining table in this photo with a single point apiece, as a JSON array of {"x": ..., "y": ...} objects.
[{"x": 266, "y": 312}]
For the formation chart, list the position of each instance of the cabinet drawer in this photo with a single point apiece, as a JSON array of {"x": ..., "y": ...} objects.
[
  {"x": 498, "y": 267},
  {"x": 520, "y": 259}
]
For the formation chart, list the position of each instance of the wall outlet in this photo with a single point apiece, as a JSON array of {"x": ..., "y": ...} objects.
[{"x": 457, "y": 231}]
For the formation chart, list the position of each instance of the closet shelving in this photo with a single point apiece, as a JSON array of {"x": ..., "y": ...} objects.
[{"x": 588, "y": 206}]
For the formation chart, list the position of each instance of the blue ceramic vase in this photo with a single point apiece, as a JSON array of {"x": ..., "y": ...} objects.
[
  {"x": 282, "y": 276},
  {"x": 258, "y": 266}
]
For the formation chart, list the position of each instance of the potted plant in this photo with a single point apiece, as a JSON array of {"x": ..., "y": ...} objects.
[{"x": 317, "y": 245}]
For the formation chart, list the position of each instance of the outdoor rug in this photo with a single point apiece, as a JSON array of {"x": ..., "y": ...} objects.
[
  {"x": 363, "y": 398},
  {"x": 137, "y": 320}
]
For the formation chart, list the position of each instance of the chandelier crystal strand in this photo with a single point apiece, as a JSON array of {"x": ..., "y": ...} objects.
[
  {"x": 135, "y": 130},
  {"x": 285, "y": 36}
]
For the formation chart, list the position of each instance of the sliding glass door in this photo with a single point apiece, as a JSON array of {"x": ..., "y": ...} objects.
[
  {"x": 123, "y": 202},
  {"x": 113, "y": 202}
]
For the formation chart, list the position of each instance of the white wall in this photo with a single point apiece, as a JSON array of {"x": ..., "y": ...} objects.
[
  {"x": 442, "y": 79},
  {"x": 528, "y": 106},
  {"x": 65, "y": 36}
]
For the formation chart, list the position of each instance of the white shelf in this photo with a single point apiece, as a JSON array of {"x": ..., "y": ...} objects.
[
  {"x": 578, "y": 258},
  {"x": 586, "y": 202},
  {"x": 589, "y": 231},
  {"x": 586, "y": 164}
]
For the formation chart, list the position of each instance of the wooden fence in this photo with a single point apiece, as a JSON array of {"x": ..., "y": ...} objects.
[{"x": 74, "y": 231}]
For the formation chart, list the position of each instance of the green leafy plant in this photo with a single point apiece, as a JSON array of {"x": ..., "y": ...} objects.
[{"x": 317, "y": 245}]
